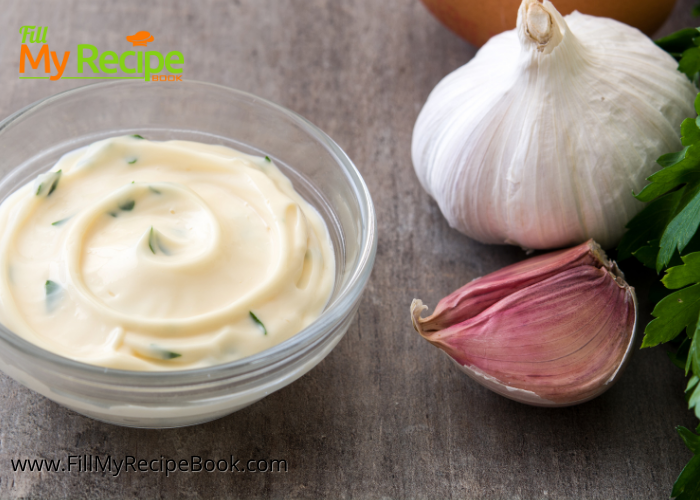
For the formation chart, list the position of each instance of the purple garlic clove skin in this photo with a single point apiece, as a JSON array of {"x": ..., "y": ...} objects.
[{"x": 553, "y": 330}]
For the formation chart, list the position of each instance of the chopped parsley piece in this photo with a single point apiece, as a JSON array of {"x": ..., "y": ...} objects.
[
  {"x": 127, "y": 205},
  {"x": 152, "y": 240},
  {"x": 164, "y": 353},
  {"x": 60, "y": 222},
  {"x": 54, "y": 292},
  {"x": 155, "y": 243},
  {"x": 258, "y": 322},
  {"x": 49, "y": 183}
]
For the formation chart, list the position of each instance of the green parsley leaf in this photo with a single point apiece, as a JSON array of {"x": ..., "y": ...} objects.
[
  {"x": 672, "y": 158},
  {"x": 673, "y": 313},
  {"x": 690, "y": 133},
  {"x": 683, "y": 227},
  {"x": 687, "y": 485},
  {"x": 646, "y": 228},
  {"x": 647, "y": 255},
  {"x": 693, "y": 395},
  {"x": 679, "y": 41},
  {"x": 673, "y": 216},
  {"x": 691, "y": 440},
  {"x": 687, "y": 274},
  {"x": 680, "y": 357},
  {"x": 689, "y": 63},
  {"x": 679, "y": 363},
  {"x": 692, "y": 383},
  {"x": 137, "y": 136},
  {"x": 693, "y": 363}
]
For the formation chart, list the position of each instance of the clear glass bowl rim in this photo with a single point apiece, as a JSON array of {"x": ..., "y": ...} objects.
[{"x": 340, "y": 308}]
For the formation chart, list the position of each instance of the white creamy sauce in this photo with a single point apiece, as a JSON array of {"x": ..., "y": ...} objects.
[{"x": 145, "y": 255}]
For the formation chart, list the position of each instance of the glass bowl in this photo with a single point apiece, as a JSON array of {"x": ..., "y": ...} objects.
[{"x": 34, "y": 138}]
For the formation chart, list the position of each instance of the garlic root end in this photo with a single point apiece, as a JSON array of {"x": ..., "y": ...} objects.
[
  {"x": 417, "y": 308},
  {"x": 539, "y": 24}
]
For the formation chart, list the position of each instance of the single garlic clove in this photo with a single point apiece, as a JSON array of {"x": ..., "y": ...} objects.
[
  {"x": 483, "y": 292},
  {"x": 554, "y": 330}
]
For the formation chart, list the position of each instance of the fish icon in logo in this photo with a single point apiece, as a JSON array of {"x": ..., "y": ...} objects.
[{"x": 141, "y": 38}]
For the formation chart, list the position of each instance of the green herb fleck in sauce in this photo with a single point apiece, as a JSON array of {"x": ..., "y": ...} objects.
[
  {"x": 132, "y": 161},
  {"x": 137, "y": 136},
  {"x": 60, "y": 222},
  {"x": 258, "y": 322},
  {"x": 51, "y": 182},
  {"x": 164, "y": 353},
  {"x": 267, "y": 158},
  {"x": 155, "y": 243},
  {"x": 127, "y": 205},
  {"x": 152, "y": 240},
  {"x": 54, "y": 292},
  {"x": 51, "y": 287}
]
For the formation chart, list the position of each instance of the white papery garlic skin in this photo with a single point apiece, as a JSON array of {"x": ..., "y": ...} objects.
[{"x": 541, "y": 138}]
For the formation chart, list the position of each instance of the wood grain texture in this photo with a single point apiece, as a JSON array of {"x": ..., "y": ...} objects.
[{"x": 386, "y": 415}]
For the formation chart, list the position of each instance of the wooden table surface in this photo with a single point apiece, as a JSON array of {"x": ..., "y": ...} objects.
[{"x": 385, "y": 415}]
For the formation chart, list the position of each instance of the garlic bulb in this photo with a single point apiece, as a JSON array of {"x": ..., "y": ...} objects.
[
  {"x": 553, "y": 330},
  {"x": 541, "y": 138}
]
